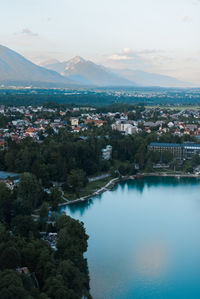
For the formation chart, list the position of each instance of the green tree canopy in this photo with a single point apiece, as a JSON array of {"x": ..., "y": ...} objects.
[{"x": 30, "y": 189}]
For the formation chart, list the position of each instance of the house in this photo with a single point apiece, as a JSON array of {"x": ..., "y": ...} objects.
[
  {"x": 74, "y": 121},
  {"x": 170, "y": 125},
  {"x": 62, "y": 113},
  {"x": 9, "y": 183},
  {"x": 197, "y": 169},
  {"x": 150, "y": 124},
  {"x": 96, "y": 122},
  {"x": 15, "y": 138},
  {"x": 107, "y": 152},
  {"x": 77, "y": 129},
  {"x": 23, "y": 270},
  {"x": 30, "y": 132},
  {"x": 2, "y": 143}
]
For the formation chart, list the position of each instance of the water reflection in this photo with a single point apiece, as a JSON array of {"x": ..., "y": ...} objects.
[
  {"x": 144, "y": 239},
  {"x": 82, "y": 207},
  {"x": 152, "y": 260},
  {"x": 139, "y": 185}
]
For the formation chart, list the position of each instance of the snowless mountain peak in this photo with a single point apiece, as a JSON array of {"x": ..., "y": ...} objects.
[
  {"x": 77, "y": 59},
  {"x": 72, "y": 63}
]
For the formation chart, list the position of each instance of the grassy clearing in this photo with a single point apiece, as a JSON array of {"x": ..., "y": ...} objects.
[
  {"x": 117, "y": 164},
  {"x": 89, "y": 189}
]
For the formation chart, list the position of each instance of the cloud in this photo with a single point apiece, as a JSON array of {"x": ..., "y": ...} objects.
[
  {"x": 150, "y": 60},
  {"x": 119, "y": 57},
  {"x": 28, "y": 32},
  {"x": 172, "y": 63},
  {"x": 126, "y": 54},
  {"x": 130, "y": 58},
  {"x": 132, "y": 52},
  {"x": 145, "y": 56}
]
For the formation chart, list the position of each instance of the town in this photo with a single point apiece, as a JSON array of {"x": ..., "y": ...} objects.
[
  {"x": 18, "y": 123},
  {"x": 161, "y": 123}
]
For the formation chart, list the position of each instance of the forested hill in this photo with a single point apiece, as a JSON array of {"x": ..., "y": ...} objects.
[{"x": 29, "y": 267}]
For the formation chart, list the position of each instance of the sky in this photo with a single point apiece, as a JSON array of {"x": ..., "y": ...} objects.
[{"x": 160, "y": 36}]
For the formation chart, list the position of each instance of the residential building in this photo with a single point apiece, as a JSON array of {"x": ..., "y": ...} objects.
[
  {"x": 74, "y": 121},
  {"x": 107, "y": 152},
  {"x": 179, "y": 151}
]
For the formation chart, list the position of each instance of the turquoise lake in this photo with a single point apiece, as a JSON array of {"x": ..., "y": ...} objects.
[{"x": 144, "y": 239}]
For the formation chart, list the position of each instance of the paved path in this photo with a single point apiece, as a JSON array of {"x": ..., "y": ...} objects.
[{"x": 100, "y": 177}]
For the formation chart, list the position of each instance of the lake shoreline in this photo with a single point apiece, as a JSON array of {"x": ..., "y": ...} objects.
[
  {"x": 110, "y": 185},
  {"x": 182, "y": 175},
  {"x": 140, "y": 225}
]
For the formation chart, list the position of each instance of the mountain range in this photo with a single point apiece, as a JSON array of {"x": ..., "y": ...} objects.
[
  {"x": 77, "y": 72},
  {"x": 17, "y": 70},
  {"x": 87, "y": 72}
]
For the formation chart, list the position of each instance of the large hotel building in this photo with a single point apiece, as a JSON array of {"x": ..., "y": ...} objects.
[{"x": 179, "y": 151}]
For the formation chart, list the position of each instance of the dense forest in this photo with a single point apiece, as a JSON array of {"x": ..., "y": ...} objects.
[
  {"x": 100, "y": 96},
  {"x": 60, "y": 155},
  {"x": 29, "y": 267}
]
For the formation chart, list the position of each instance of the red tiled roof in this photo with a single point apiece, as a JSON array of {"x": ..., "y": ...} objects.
[{"x": 30, "y": 130}]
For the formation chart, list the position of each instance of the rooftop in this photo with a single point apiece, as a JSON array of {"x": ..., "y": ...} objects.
[{"x": 165, "y": 144}]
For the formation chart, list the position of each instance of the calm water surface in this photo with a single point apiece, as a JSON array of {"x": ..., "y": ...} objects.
[
  {"x": 4, "y": 175},
  {"x": 144, "y": 239}
]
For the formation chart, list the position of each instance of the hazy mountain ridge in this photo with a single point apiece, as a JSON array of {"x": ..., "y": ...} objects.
[
  {"x": 89, "y": 72},
  {"x": 151, "y": 79},
  {"x": 15, "y": 68},
  {"x": 102, "y": 76}
]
